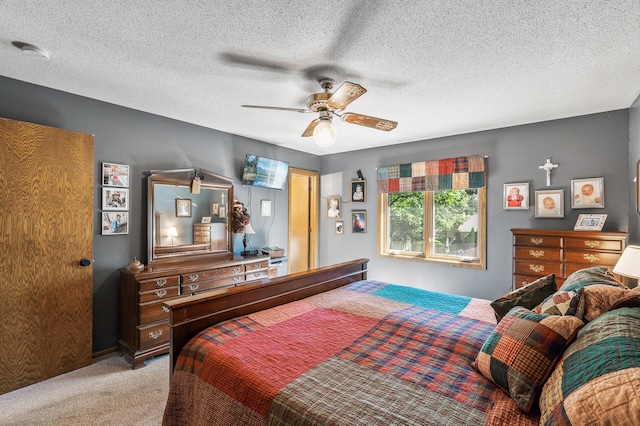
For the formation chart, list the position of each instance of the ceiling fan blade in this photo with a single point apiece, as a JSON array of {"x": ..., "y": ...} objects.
[
  {"x": 346, "y": 93},
  {"x": 309, "y": 130},
  {"x": 277, "y": 108},
  {"x": 368, "y": 121}
]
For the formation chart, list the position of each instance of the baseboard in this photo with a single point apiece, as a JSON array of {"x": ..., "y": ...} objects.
[{"x": 100, "y": 355}]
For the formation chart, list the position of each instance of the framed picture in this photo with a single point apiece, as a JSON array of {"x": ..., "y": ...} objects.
[
  {"x": 183, "y": 207},
  {"x": 550, "y": 203},
  {"x": 339, "y": 227},
  {"x": 222, "y": 211},
  {"x": 590, "y": 222},
  {"x": 587, "y": 193},
  {"x": 115, "y": 198},
  {"x": 334, "y": 206},
  {"x": 115, "y": 223},
  {"x": 265, "y": 207},
  {"x": 515, "y": 196},
  {"x": 214, "y": 209},
  {"x": 206, "y": 219},
  {"x": 358, "y": 221},
  {"x": 358, "y": 191},
  {"x": 115, "y": 175}
]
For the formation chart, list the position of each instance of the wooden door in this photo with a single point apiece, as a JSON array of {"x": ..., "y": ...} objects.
[
  {"x": 303, "y": 220},
  {"x": 46, "y": 228}
]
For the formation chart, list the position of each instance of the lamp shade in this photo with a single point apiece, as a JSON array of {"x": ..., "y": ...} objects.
[
  {"x": 324, "y": 134},
  {"x": 248, "y": 229},
  {"x": 172, "y": 232},
  {"x": 629, "y": 263}
]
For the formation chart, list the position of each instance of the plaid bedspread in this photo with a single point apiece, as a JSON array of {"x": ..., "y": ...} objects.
[{"x": 370, "y": 353}]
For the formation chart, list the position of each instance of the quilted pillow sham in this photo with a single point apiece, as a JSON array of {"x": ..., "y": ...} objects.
[
  {"x": 590, "y": 276},
  {"x": 563, "y": 303},
  {"x": 523, "y": 350},
  {"x": 600, "y": 298},
  {"x": 528, "y": 296},
  {"x": 598, "y": 378}
]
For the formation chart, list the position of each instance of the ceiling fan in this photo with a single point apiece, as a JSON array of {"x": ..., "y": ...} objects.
[{"x": 328, "y": 104}]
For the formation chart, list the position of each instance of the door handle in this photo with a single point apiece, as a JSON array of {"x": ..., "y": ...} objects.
[{"x": 85, "y": 262}]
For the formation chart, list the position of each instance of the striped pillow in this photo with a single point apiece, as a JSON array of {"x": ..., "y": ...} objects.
[{"x": 521, "y": 353}]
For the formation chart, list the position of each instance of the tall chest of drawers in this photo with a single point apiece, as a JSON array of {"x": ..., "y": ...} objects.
[
  {"x": 144, "y": 320},
  {"x": 540, "y": 252}
]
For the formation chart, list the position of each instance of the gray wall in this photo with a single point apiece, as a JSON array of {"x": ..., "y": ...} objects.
[
  {"x": 588, "y": 146},
  {"x": 144, "y": 142}
]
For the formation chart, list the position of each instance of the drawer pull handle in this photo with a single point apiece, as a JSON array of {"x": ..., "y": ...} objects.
[
  {"x": 536, "y": 253},
  {"x": 236, "y": 279},
  {"x": 536, "y": 268},
  {"x": 193, "y": 277},
  {"x": 256, "y": 266},
  {"x": 161, "y": 293},
  {"x": 257, "y": 274},
  {"x": 590, "y": 257},
  {"x": 537, "y": 241},
  {"x": 592, "y": 244},
  {"x": 155, "y": 334},
  {"x": 236, "y": 270},
  {"x": 161, "y": 282},
  {"x": 166, "y": 310},
  {"x": 193, "y": 287}
]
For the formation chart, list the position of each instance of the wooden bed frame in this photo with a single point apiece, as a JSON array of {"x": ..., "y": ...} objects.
[{"x": 192, "y": 314}]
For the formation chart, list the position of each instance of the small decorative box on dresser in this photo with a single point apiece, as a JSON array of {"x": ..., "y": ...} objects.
[
  {"x": 144, "y": 329},
  {"x": 540, "y": 252}
]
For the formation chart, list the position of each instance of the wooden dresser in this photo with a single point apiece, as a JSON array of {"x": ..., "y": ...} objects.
[
  {"x": 144, "y": 327},
  {"x": 540, "y": 252}
]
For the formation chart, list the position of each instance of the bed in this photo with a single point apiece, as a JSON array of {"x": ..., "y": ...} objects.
[{"x": 331, "y": 347}]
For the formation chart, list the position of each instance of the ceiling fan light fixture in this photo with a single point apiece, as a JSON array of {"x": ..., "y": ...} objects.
[{"x": 325, "y": 133}]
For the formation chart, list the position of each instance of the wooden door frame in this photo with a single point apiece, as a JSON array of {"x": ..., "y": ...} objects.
[{"x": 314, "y": 179}]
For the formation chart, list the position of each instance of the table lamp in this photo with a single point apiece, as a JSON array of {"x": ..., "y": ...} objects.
[
  {"x": 247, "y": 230},
  {"x": 172, "y": 232},
  {"x": 629, "y": 263}
]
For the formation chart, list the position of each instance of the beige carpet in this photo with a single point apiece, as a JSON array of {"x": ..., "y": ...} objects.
[{"x": 108, "y": 392}]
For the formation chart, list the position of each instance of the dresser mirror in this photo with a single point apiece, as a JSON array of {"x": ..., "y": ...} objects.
[{"x": 188, "y": 215}]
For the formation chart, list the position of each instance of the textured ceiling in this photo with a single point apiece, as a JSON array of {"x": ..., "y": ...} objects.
[{"x": 438, "y": 68}]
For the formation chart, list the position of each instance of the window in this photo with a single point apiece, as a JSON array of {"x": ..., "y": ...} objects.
[{"x": 440, "y": 226}]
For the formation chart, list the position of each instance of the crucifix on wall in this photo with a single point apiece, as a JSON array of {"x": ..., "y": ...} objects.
[{"x": 548, "y": 166}]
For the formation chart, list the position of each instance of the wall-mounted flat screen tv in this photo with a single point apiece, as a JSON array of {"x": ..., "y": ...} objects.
[{"x": 264, "y": 172}]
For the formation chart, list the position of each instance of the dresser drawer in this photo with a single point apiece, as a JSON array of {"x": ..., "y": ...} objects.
[
  {"x": 157, "y": 283},
  {"x": 191, "y": 288},
  {"x": 539, "y": 268},
  {"x": 537, "y": 241},
  {"x": 153, "y": 311},
  {"x": 592, "y": 244},
  {"x": 153, "y": 335},
  {"x": 252, "y": 276},
  {"x": 522, "y": 280},
  {"x": 257, "y": 266},
  {"x": 591, "y": 258},
  {"x": 163, "y": 293},
  {"x": 212, "y": 274},
  {"x": 538, "y": 253}
]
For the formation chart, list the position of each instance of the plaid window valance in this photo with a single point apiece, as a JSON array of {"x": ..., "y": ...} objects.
[{"x": 433, "y": 175}]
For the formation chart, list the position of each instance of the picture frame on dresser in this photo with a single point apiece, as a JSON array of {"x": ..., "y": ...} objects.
[
  {"x": 590, "y": 222},
  {"x": 549, "y": 203},
  {"x": 587, "y": 193}
]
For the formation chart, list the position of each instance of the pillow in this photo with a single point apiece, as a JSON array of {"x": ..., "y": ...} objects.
[
  {"x": 563, "y": 303},
  {"x": 598, "y": 378},
  {"x": 591, "y": 276},
  {"x": 600, "y": 298},
  {"x": 528, "y": 296},
  {"x": 523, "y": 350}
]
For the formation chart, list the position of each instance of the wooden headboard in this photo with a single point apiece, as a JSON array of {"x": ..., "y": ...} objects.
[{"x": 192, "y": 314}]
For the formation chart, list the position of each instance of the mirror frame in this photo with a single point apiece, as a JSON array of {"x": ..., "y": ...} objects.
[{"x": 185, "y": 178}]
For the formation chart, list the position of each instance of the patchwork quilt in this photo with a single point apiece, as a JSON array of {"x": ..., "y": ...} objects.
[{"x": 370, "y": 353}]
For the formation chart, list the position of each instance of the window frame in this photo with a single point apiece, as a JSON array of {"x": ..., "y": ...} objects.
[{"x": 427, "y": 257}]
